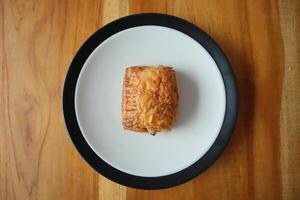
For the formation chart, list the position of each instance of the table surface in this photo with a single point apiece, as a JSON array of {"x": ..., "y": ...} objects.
[{"x": 38, "y": 41}]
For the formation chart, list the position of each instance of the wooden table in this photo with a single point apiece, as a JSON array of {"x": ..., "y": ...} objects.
[{"x": 40, "y": 38}]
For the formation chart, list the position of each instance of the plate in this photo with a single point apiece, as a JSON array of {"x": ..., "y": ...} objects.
[{"x": 207, "y": 106}]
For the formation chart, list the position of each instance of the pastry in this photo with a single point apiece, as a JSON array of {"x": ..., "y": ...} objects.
[{"x": 149, "y": 98}]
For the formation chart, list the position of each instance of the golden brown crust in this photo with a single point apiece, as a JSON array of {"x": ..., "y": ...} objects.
[{"x": 149, "y": 99}]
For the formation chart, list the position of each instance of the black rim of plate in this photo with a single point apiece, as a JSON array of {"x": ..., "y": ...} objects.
[{"x": 230, "y": 113}]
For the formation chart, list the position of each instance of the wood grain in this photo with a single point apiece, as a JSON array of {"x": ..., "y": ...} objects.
[
  {"x": 38, "y": 40},
  {"x": 290, "y": 107}
]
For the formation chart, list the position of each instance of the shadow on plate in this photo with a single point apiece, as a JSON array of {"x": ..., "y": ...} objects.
[{"x": 188, "y": 96}]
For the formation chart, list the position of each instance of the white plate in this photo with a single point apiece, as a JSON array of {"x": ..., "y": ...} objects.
[{"x": 201, "y": 110}]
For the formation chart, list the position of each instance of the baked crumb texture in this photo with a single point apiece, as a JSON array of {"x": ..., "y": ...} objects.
[{"x": 149, "y": 98}]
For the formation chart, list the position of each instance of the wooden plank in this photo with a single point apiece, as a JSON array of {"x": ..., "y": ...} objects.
[{"x": 290, "y": 106}]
